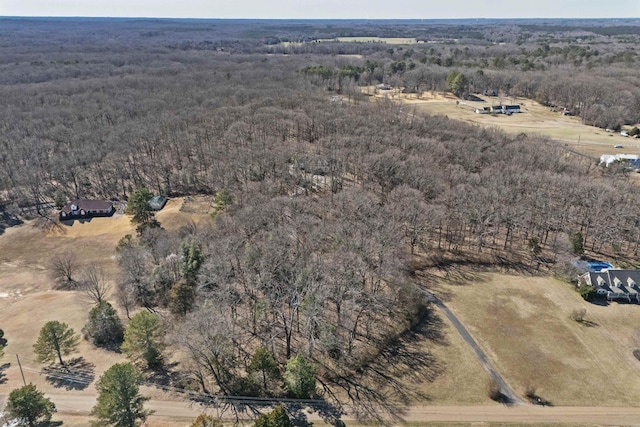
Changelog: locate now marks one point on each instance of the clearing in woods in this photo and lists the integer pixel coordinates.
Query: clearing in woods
(387, 40)
(524, 326)
(534, 119)
(27, 297)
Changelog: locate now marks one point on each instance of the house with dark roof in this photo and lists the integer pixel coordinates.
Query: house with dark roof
(505, 109)
(83, 208)
(614, 284)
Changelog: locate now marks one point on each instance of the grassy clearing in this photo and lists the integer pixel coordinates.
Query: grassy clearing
(26, 253)
(387, 40)
(27, 300)
(463, 380)
(535, 119)
(524, 325)
(183, 211)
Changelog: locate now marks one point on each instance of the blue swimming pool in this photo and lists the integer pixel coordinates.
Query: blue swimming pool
(593, 266)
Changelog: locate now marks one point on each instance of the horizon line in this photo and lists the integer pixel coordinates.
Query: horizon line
(626, 18)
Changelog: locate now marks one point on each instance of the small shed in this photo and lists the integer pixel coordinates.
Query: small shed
(157, 203)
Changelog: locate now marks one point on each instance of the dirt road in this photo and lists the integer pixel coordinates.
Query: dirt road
(517, 414)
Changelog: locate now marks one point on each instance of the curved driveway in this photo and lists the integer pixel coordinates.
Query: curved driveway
(510, 396)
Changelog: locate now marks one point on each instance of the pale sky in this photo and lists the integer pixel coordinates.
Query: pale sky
(326, 9)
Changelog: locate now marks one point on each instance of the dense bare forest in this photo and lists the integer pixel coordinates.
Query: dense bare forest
(331, 201)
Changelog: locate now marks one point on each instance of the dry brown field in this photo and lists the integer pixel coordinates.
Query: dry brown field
(534, 119)
(28, 300)
(386, 40)
(524, 326)
(463, 380)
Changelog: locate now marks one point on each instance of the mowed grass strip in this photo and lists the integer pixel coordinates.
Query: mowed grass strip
(524, 325)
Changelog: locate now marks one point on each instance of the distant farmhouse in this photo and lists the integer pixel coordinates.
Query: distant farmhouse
(615, 284)
(499, 109)
(82, 208)
(630, 160)
(505, 109)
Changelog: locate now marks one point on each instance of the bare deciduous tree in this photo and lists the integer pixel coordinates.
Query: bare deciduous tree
(63, 270)
(94, 285)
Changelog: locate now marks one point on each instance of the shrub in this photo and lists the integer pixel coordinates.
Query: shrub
(205, 420)
(276, 418)
(299, 378)
(494, 392)
(530, 392)
(578, 315)
(587, 292)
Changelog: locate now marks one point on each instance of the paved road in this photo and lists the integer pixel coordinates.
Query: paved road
(518, 414)
(509, 394)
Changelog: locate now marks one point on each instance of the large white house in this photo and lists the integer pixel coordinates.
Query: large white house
(607, 159)
(615, 284)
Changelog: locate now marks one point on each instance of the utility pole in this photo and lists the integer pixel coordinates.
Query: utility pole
(21, 372)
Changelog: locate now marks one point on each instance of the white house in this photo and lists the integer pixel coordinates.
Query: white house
(607, 159)
(615, 284)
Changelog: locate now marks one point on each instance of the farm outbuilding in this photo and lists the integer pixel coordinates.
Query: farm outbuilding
(83, 208)
(157, 203)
